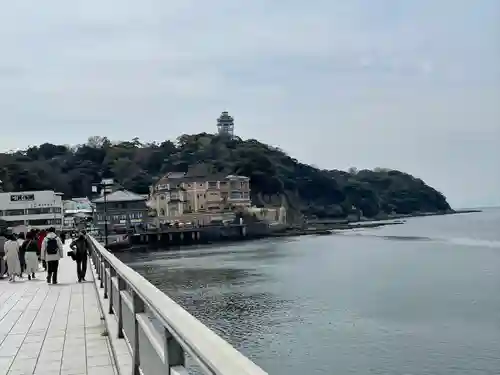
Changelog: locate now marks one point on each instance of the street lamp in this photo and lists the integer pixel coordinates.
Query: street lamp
(104, 185)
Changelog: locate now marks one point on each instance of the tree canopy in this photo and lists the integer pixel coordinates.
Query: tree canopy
(276, 178)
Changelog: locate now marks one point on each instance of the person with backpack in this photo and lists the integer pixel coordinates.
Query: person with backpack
(81, 249)
(30, 250)
(51, 252)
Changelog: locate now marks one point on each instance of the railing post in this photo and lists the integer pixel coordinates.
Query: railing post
(121, 286)
(98, 266)
(105, 277)
(101, 273)
(174, 354)
(112, 273)
(138, 308)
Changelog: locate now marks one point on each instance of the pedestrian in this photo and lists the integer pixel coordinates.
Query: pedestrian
(30, 248)
(3, 268)
(20, 241)
(11, 257)
(51, 252)
(81, 249)
(41, 237)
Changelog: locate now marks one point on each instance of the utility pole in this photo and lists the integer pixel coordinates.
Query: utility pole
(105, 219)
(104, 184)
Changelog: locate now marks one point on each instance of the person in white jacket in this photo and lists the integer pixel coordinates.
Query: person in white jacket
(11, 249)
(51, 252)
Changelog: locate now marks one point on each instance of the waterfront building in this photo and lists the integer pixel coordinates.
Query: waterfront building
(122, 210)
(269, 215)
(77, 212)
(179, 194)
(33, 209)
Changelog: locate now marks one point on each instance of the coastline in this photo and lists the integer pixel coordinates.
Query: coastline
(325, 227)
(331, 225)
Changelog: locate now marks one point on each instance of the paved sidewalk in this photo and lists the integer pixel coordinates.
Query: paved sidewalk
(53, 329)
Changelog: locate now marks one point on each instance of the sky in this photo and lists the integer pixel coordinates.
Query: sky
(411, 85)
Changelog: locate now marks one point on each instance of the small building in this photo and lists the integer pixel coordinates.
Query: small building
(77, 212)
(124, 211)
(33, 209)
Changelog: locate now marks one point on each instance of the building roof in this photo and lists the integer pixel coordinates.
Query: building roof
(81, 200)
(120, 196)
(179, 177)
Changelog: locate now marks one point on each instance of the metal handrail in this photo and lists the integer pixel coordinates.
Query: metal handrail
(130, 295)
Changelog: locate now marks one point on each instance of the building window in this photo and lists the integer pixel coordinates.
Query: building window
(14, 212)
(39, 211)
(235, 195)
(15, 223)
(162, 212)
(39, 222)
(162, 197)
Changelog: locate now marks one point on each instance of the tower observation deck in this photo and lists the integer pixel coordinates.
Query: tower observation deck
(225, 125)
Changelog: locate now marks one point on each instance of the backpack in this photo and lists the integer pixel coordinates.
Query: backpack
(52, 246)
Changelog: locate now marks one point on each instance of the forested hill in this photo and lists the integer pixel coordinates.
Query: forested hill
(275, 177)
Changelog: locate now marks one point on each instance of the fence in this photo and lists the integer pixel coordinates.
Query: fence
(132, 300)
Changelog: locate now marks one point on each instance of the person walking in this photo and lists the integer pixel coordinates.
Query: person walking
(81, 249)
(11, 257)
(20, 241)
(40, 238)
(31, 251)
(51, 252)
(3, 268)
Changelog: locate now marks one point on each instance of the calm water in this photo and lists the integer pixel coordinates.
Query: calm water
(418, 298)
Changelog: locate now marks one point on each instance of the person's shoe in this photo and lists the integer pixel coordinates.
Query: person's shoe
(33, 275)
(29, 277)
(48, 280)
(54, 282)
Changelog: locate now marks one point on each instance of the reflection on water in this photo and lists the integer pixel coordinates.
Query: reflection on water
(405, 299)
(210, 289)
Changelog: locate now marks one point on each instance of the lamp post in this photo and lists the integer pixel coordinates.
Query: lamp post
(104, 185)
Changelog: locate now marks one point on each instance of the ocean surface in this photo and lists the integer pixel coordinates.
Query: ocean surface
(418, 298)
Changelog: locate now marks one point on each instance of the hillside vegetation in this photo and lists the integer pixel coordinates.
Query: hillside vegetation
(275, 177)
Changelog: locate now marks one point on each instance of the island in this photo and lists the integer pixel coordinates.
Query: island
(276, 179)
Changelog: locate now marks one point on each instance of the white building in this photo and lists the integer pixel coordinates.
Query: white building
(76, 211)
(34, 209)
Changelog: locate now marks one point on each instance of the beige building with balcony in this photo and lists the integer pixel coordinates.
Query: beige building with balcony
(177, 194)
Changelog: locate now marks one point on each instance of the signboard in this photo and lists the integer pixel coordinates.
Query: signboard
(22, 197)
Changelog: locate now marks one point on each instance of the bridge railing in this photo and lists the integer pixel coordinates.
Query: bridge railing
(131, 299)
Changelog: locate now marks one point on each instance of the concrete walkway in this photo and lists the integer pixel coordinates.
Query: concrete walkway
(53, 329)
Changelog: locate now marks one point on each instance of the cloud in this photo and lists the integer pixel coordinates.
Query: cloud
(335, 83)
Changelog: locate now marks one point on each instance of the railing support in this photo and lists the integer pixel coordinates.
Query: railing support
(106, 280)
(121, 286)
(139, 308)
(174, 354)
(112, 273)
